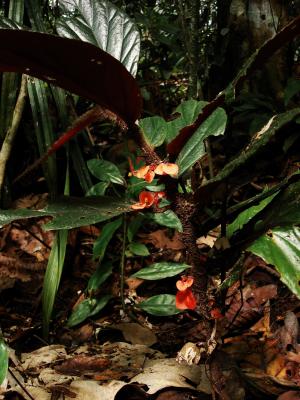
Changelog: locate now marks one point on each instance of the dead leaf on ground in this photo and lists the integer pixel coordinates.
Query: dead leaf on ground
(134, 333)
(160, 240)
(80, 365)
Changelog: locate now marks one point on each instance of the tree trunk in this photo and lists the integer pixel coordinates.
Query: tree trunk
(243, 26)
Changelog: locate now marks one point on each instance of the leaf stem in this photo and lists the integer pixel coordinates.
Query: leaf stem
(122, 262)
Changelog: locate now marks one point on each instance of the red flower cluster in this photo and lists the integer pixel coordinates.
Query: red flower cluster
(148, 199)
(184, 297)
(148, 172)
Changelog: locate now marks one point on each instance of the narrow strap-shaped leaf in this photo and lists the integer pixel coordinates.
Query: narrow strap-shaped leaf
(43, 126)
(54, 269)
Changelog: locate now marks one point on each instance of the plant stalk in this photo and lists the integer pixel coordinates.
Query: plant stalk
(12, 130)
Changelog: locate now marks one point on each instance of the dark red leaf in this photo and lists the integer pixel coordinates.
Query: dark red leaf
(76, 66)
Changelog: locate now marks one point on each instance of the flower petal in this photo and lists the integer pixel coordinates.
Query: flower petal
(185, 300)
(138, 206)
(141, 172)
(170, 169)
(147, 198)
(167, 169)
(149, 176)
(184, 283)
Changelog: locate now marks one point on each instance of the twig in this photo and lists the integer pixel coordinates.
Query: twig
(12, 130)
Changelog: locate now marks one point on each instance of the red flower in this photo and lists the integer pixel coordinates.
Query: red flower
(184, 297)
(148, 172)
(146, 200)
(167, 169)
(185, 300)
(184, 283)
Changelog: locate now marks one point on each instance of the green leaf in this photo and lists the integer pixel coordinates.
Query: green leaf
(160, 270)
(154, 130)
(194, 149)
(105, 171)
(134, 226)
(53, 275)
(292, 88)
(160, 305)
(101, 23)
(167, 218)
(87, 308)
(138, 249)
(281, 248)
(3, 361)
(98, 189)
(245, 216)
(105, 237)
(70, 212)
(188, 111)
(38, 93)
(99, 276)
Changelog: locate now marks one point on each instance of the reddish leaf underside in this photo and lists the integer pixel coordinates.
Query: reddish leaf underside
(76, 66)
(267, 50)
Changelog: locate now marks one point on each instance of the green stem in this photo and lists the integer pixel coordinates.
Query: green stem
(122, 263)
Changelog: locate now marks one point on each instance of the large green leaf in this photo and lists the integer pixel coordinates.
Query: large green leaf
(105, 237)
(138, 249)
(87, 308)
(154, 130)
(281, 248)
(167, 218)
(3, 360)
(194, 149)
(160, 305)
(101, 23)
(189, 111)
(245, 216)
(161, 270)
(105, 171)
(282, 210)
(98, 189)
(71, 212)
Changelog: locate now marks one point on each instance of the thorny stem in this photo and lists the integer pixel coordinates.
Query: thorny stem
(122, 262)
(150, 154)
(12, 130)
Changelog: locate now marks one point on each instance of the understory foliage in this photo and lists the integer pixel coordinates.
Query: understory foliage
(153, 170)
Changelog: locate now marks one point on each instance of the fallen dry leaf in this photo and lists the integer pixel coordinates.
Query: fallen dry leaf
(160, 240)
(136, 334)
